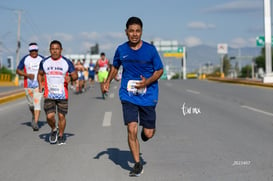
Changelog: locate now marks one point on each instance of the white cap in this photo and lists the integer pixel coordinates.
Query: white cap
(33, 47)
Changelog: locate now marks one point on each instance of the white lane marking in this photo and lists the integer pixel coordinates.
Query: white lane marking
(107, 119)
(192, 91)
(257, 110)
(11, 105)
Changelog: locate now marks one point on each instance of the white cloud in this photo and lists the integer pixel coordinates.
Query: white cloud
(241, 42)
(237, 6)
(192, 41)
(252, 41)
(116, 35)
(34, 38)
(200, 25)
(86, 45)
(101, 36)
(63, 36)
(90, 35)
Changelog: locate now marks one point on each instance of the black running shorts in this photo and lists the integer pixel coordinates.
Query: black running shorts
(132, 112)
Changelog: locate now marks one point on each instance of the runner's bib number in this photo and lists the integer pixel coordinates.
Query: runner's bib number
(132, 90)
(55, 89)
(103, 69)
(34, 66)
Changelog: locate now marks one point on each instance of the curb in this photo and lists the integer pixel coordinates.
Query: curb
(241, 81)
(11, 97)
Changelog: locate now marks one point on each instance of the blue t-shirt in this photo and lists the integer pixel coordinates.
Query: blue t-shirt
(144, 61)
(91, 69)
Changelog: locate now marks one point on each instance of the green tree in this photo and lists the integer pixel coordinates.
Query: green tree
(260, 60)
(226, 65)
(5, 70)
(246, 71)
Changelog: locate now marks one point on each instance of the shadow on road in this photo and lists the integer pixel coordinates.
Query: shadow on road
(45, 136)
(40, 123)
(119, 157)
(99, 98)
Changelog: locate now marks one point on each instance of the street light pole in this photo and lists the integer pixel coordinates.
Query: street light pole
(267, 27)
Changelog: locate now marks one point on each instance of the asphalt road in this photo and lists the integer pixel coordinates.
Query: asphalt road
(206, 131)
(4, 89)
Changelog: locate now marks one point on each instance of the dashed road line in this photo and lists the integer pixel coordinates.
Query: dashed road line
(193, 91)
(257, 110)
(107, 119)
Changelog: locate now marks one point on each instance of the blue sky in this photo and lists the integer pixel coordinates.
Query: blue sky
(83, 23)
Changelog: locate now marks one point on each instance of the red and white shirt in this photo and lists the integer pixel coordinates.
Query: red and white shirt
(55, 71)
(103, 65)
(30, 66)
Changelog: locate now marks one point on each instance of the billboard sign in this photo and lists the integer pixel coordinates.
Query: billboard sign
(222, 48)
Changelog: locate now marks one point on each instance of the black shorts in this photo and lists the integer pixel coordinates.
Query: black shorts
(91, 76)
(51, 104)
(132, 112)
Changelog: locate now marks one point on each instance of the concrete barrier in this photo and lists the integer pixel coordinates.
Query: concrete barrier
(242, 81)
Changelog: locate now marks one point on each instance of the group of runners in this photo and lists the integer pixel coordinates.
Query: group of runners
(88, 73)
(49, 78)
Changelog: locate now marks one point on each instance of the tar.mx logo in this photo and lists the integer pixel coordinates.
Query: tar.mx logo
(187, 110)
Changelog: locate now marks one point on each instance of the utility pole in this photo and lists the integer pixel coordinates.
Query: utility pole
(268, 78)
(184, 63)
(18, 37)
(16, 81)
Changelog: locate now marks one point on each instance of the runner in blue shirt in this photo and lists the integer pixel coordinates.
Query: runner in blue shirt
(91, 73)
(142, 67)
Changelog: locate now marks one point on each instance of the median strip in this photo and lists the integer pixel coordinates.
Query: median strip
(11, 97)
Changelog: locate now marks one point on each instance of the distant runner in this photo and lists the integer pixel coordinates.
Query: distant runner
(28, 67)
(91, 73)
(103, 67)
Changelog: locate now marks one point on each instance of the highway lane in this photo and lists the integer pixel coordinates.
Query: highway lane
(205, 131)
(229, 141)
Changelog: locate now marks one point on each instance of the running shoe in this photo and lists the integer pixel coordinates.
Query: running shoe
(35, 127)
(137, 170)
(143, 136)
(53, 137)
(32, 122)
(61, 140)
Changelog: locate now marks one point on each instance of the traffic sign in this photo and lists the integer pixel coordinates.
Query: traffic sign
(173, 54)
(178, 53)
(260, 41)
(222, 48)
